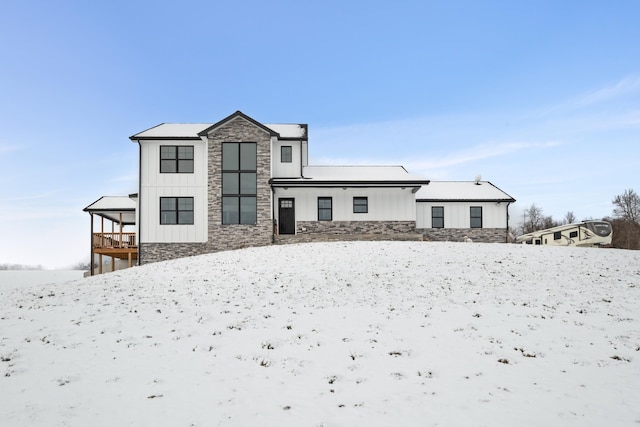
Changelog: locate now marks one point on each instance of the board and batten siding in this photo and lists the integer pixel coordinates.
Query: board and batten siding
(384, 204)
(458, 214)
(286, 170)
(154, 185)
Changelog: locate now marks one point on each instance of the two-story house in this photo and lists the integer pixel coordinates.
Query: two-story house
(239, 183)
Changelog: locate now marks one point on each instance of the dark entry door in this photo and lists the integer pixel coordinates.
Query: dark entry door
(287, 216)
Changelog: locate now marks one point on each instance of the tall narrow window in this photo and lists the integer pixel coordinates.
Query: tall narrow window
(176, 210)
(437, 216)
(360, 205)
(176, 159)
(285, 154)
(239, 183)
(325, 209)
(476, 216)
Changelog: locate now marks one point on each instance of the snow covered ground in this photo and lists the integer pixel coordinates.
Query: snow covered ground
(332, 334)
(26, 278)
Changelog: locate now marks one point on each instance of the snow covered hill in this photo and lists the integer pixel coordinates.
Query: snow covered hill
(332, 334)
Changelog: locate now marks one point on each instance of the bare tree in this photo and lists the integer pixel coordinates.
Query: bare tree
(627, 206)
(569, 218)
(626, 220)
(533, 219)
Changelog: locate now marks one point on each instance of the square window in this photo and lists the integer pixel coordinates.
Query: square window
(176, 210)
(176, 159)
(360, 205)
(325, 208)
(557, 235)
(286, 154)
(437, 217)
(476, 216)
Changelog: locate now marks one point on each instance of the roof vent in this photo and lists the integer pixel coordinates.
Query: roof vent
(478, 178)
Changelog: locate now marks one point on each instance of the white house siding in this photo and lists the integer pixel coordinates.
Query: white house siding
(385, 204)
(154, 185)
(458, 214)
(286, 170)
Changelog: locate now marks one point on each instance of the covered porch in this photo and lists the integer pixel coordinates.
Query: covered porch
(114, 235)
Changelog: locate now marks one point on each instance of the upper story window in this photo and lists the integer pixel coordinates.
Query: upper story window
(239, 183)
(325, 208)
(476, 216)
(176, 159)
(286, 154)
(176, 210)
(360, 205)
(437, 216)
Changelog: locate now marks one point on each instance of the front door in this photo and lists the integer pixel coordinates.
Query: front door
(286, 216)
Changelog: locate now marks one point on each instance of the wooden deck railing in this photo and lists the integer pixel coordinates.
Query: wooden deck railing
(113, 240)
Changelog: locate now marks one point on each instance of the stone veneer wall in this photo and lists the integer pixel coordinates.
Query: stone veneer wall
(482, 235)
(323, 231)
(355, 227)
(236, 236)
(154, 252)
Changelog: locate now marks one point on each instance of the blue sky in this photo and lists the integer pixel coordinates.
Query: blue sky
(542, 98)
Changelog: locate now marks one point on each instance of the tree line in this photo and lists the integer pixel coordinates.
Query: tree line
(625, 220)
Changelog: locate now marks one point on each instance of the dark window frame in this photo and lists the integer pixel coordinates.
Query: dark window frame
(181, 164)
(286, 156)
(324, 209)
(237, 197)
(557, 235)
(439, 217)
(359, 207)
(177, 211)
(573, 234)
(475, 224)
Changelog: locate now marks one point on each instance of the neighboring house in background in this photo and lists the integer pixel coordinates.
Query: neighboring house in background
(239, 183)
(453, 210)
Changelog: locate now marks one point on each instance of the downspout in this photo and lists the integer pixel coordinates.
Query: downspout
(273, 214)
(138, 215)
(301, 159)
(507, 236)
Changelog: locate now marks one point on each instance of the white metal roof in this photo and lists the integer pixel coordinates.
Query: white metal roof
(462, 190)
(191, 130)
(353, 176)
(289, 130)
(359, 173)
(173, 130)
(111, 207)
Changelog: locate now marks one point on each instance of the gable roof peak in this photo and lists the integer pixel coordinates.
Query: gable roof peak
(234, 116)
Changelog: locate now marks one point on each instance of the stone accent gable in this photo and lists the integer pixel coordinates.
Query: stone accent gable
(235, 236)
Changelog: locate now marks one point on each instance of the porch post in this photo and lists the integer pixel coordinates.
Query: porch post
(120, 245)
(91, 243)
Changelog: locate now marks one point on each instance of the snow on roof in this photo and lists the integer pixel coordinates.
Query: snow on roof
(462, 190)
(173, 130)
(112, 206)
(359, 173)
(289, 130)
(191, 130)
